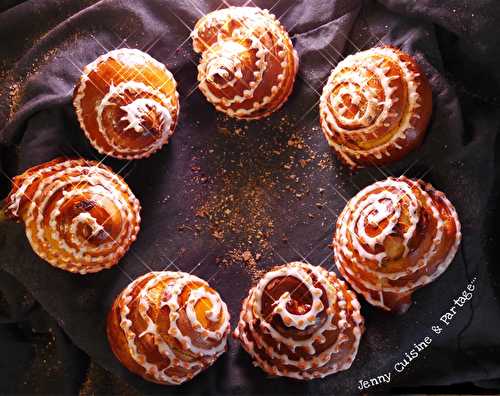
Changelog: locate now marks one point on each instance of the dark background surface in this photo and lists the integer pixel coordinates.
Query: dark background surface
(271, 187)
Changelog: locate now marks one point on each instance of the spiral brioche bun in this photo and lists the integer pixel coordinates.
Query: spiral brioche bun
(375, 107)
(127, 104)
(168, 326)
(301, 322)
(393, 237)
(248, 64)
(79, 215)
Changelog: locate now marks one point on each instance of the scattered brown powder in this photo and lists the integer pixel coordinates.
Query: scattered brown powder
(247, 259)
(245, 182)
(101, 382)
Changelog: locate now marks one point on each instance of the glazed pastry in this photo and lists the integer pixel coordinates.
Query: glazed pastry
(375, 107)
(393, 237)
(79, 215)
(248, 64)
(127, 104)
(168, 326)
(301, 322)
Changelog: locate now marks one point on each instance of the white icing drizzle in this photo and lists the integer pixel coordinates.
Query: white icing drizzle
(175, 362)
(148, 99)
(317, 321)
(401, 203)
(59, 238)
(354, 78)
(238, 46)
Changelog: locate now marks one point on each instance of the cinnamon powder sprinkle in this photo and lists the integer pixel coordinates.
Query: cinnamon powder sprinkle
(245, 182)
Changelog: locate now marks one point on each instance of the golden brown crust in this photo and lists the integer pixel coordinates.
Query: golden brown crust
(393, 237)
(300, 321)
(375, 107)
(248, 65)
(79, 216)
(127, 104)
(168, 326)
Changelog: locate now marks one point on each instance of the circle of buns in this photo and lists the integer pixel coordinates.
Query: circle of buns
(79, 216)
(300, 321)
(375, 107)
(393, 237)
(248, 64)
(127, 104)
(168, 326)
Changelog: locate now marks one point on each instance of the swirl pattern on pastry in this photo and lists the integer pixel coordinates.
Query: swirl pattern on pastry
(127, 104)
(168, 326)
(248, 64)
(375, 107)
(300, 321)
(393, 237)
(79, 215)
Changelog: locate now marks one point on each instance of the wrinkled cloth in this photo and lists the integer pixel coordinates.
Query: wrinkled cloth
(46, 43)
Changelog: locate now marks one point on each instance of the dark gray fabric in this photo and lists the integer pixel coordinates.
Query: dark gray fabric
(46, 42)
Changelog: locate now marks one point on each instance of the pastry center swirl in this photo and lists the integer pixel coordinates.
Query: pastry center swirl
(145, 115)
(384, 223)
(297, 304)
(355, 100)
(225, 65)
(138, 112)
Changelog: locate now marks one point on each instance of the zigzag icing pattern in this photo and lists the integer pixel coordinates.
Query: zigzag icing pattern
(300, 321)
(393, 237)
(248, 64)
(79, 215)
(371, 106)
(127, 104)
(173, 325)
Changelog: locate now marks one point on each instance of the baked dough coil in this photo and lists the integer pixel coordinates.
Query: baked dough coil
(375, 107)
(127, 104)
(168, 326)
(393, 237)
(79, 215)
(301, 322)
(248, 64)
